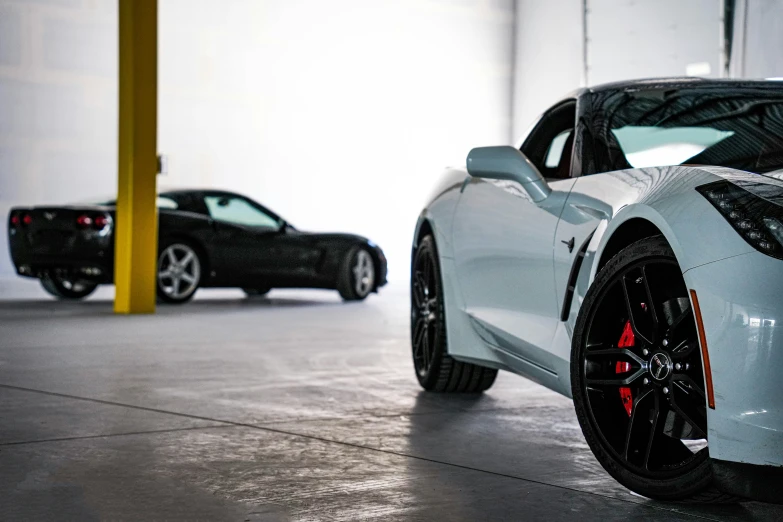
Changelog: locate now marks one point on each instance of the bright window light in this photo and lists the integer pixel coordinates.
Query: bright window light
(658, 146)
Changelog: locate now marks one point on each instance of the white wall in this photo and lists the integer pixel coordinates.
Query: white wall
(339, 115)
(758, 39)
(548, 56)
(625, 39)
(58, 103)
(651, 38)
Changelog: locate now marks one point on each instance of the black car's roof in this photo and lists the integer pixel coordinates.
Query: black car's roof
(216, 192)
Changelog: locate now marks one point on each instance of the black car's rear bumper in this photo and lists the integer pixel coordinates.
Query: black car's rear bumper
(82, 257)
(751, 481)
(95, 270)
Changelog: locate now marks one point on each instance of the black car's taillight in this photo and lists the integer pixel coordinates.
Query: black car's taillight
(758, 220)
(95, 221)
(84, 221)
(101, 221)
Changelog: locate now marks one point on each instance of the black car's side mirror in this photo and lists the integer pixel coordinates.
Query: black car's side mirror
(508, 163)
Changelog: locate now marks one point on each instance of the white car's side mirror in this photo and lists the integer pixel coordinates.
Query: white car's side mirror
(508, 163)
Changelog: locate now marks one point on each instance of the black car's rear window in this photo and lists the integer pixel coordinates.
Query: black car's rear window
(722, 127)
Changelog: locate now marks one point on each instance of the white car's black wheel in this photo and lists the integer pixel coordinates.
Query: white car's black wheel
(357, 275)
(179, 272)
(435, 369)
(63, 288)
(637, 379)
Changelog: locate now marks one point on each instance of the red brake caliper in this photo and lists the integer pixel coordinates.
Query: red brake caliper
(626, 339)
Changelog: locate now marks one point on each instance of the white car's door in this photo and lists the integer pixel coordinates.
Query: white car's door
(503, 245)
(503, 252)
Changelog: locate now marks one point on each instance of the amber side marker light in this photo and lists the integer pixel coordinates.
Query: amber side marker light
(705, 356)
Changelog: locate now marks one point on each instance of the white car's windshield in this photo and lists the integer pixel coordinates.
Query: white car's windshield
(728, 128)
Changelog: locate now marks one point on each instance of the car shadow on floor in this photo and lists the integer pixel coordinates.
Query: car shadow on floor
(533, 444)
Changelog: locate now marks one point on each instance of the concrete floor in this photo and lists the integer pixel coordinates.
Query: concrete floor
(296, 407)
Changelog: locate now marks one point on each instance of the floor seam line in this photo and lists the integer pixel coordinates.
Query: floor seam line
(353, 445)
(110, 435)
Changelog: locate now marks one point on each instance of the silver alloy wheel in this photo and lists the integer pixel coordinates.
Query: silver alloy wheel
(363, 273)
(179, 271)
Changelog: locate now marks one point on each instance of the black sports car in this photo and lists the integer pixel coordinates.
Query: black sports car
(207, 238)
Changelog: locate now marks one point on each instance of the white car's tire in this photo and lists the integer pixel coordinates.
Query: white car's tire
(636, 377)
(435, 369)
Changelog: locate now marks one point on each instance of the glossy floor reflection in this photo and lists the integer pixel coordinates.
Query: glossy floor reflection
(296, 407)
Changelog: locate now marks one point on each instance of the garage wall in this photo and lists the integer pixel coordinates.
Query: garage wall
(758, 39)
(652, 38)
(58, 103)
(548, 56)
(625, 39)
(339, 115)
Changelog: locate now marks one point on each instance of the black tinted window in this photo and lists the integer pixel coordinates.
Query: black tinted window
(728, 128)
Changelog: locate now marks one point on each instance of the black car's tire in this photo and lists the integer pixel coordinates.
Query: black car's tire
(256, 292)
(179, 272)
(435, 369)
(356, 279)
(639, 398)
(66, 289)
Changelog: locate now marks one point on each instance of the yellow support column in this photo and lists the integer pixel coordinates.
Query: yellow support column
(136, 232)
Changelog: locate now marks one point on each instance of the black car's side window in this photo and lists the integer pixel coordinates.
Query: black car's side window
(239, 211)
(167, 202)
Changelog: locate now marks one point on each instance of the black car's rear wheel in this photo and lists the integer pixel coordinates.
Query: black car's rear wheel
(637, 379)
(435, 369)
(179, 272)
(67, 288)
(357, 275)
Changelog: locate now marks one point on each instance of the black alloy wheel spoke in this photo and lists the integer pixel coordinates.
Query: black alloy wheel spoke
(613, 353)
(642, 427)
(656, 433)
(684, 381)
(609, 376)
(425, 348)
(678, 331)
(427, 271)
(419, 331)
(687, 400)
(633, 315)
(651, 306)
(419, 286)
(685, 350)
(616, 381)
(424, 312)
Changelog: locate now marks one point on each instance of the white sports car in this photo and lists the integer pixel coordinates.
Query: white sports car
(628, 253)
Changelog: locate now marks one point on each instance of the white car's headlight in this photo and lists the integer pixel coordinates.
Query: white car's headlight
(757, 219)
(775, 227)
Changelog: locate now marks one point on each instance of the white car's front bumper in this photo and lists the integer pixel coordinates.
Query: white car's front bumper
(741, 300)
